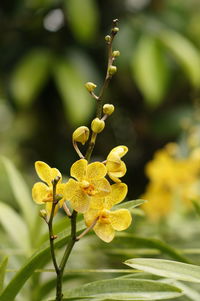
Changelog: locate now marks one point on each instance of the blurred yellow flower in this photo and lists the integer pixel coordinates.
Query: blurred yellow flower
(115, 166)
(89, 183)
(172, 179)
(42, 193)
(108, 221)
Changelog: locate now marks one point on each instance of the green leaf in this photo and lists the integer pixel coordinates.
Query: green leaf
(20, 191)
(125, 289)
(139, 242)
(188, 291)
(29, 76)
(3, 266)
(167, 268)
(150, 70)
(36, 261)
(186, 54)
(196, 206)
(85, 29)
(14, 226)
(77, 102)
(131, 204)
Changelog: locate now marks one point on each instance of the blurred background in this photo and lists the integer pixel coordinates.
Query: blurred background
(49, 49)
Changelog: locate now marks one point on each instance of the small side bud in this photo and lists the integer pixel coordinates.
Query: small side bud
(116, 53)
(90, 86)
(108, 38)
(43, 214)
(115, 29)
(112, 70)
(108, 109)
(81, 134)
(97, 125)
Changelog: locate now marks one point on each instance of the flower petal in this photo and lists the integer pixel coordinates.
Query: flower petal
(116, 170)
(44, 171)
(90, 216)
(118, 193)
(78, 169)
(78, 199)
(96, 171)
(40, 192)
(120, 219)
(119, 151)
(55, 173)
(104, 231)
(102, 187)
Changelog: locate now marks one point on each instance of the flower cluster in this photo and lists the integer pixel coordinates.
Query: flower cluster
(88, 192)
(174, 179)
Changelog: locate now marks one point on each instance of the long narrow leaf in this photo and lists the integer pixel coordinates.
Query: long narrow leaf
(20, 191)
(138, 241)
(3, 266)
(14, 226)
(37, 261)
(167, 268)
(125, 289)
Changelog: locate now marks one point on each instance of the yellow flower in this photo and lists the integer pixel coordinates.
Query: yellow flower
(115, 166)
(108, 221)
(89, 183)
(42, 193)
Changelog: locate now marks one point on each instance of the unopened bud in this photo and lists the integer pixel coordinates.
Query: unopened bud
(112, 70)
(43, 214)
(115, 29)
(108, 109)
(90, 86)
(116, 53)
(108, 38)
(81, 134)
(97, 125)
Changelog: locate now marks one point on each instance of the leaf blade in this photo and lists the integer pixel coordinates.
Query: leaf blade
(167, 268)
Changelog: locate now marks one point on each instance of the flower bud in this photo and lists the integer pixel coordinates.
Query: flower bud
(97, 125)
(116, 53)
(43, 214)
(90, 86)
(115, 29)
(108, 109)
(81, 134)
(108, 38)
(112, 70)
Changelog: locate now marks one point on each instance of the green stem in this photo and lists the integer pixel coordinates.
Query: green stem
(71, 243)
(99, 99)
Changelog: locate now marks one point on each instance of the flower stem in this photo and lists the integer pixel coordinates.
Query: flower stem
(99, 99)
(70, 245)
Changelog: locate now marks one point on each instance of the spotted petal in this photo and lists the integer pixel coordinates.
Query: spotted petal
(96, 171)
(78, 199)
(78, 169)
(40, 192)
(102, 187)
(120, 219)
(104, 231)
(45, 172)
(90, 216)
(118, 193)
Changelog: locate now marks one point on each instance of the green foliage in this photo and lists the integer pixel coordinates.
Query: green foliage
(125, 289)
(150, 70)
(30, 76)
(3, 266)
(167, 268)
(85, 30)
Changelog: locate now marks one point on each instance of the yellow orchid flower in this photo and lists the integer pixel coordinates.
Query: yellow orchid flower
(115, 166)
(109, 221)
(89, 183)
(42, 193)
